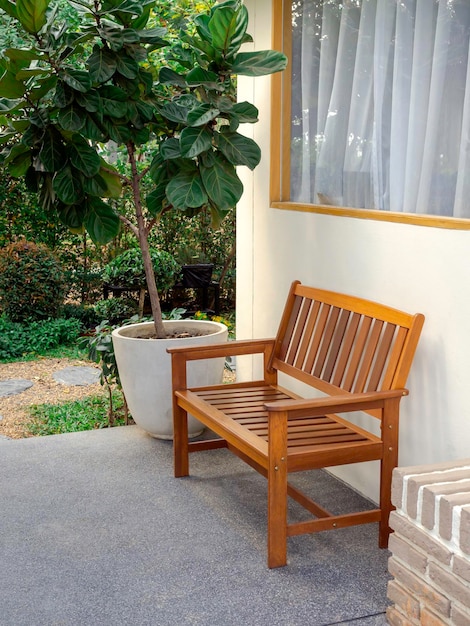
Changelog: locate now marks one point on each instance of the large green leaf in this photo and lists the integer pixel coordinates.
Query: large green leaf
(174, 112)
(10, 87)
(126, 66)
(185, 190)
(83, 156)
(95, 186)
(90, 101)
(153, 36)
(245, 112)
(112, 180)
(72, 117)
(20, 165)
(124, 6)
(120, 133)
(68, 186)
(102, 64)
(42, 87)
(77, 79)
(32, 14)
(170, 149)
(240, 35)
(29, 72)
(9, 7)
(259, 63)
(93, 129)
(202, 114)
(141, 22)
(222, 185)
(194, 141)
(23, 54)
(155, 200)
(239, 150)
(16, 150)
(52, 154)
(63, 95)
(170, 77)
(200, 76)
(72, 216)
(118, 37)
(222, 26)
(113, 101)
(140, 136)
(101, 222)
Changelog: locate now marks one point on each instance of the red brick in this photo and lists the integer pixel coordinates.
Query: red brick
(405, 551)
(420, 538)
(446, 510)
(428, 618)
(461, 567)
(408, 604)
(430, 493)
(419, 587)
(396, 618)
(449, 584)
(459, 615)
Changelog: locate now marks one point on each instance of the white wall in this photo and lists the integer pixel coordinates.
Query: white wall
(414, 268)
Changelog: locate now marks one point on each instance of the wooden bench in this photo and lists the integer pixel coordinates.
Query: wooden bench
(356, 351)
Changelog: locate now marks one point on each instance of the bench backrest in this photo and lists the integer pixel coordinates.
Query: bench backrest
(339, 343)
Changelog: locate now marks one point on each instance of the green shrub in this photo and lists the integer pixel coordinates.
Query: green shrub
(85, 314)
(115, 309)
(38, 337)
(32, 283)
(127, 269)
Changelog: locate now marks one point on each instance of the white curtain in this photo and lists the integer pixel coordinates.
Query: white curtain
(381, 104)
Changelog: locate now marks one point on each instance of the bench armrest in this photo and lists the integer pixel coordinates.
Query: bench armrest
(342, 403)
(228, 348)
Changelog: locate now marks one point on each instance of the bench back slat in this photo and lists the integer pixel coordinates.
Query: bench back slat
(346, 343)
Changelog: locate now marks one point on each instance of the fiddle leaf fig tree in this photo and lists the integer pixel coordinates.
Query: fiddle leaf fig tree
(117, 81)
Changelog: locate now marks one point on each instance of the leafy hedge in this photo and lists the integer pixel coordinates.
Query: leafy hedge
(18, 340)
(32, 283)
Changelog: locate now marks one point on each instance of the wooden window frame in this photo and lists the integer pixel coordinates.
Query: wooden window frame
(280, 142)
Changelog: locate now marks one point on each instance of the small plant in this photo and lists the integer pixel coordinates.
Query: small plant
(36, 338)
(115, 309)
(201, 315)
(87, 414)
(174, 314)
(32, 283)
(100, 349)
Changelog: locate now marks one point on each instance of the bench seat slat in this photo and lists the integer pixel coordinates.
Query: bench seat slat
(301, 433)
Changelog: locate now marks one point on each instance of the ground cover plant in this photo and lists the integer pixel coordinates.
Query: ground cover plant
(88, 413)
(19, 341)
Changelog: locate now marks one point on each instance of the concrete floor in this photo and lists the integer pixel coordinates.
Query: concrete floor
(94, 530)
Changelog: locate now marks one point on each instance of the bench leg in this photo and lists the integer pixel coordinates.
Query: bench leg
(180, 441)
(388, 463)
(277, 490)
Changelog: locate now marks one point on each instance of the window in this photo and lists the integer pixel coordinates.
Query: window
(376, 108)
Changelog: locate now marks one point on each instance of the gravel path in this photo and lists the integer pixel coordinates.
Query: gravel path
(45, 389)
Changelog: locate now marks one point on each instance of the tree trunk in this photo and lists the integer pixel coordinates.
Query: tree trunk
(144, 246)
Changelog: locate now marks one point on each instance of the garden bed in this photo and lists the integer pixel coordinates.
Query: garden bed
(14, 409)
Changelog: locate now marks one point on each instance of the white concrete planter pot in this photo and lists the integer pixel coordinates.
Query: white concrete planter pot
(145, 371)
